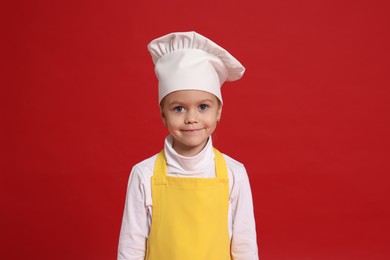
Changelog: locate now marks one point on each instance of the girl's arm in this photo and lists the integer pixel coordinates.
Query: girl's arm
(244, 242)
(134, 230)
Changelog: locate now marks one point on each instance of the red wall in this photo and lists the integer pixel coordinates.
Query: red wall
(310, 120)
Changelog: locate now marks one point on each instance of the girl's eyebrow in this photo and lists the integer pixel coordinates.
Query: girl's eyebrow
(177, 102)
(207, 100)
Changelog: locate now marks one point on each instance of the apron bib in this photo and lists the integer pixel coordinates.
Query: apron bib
(190, 215)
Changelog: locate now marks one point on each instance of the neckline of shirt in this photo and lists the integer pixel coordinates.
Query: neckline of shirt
(188, 166)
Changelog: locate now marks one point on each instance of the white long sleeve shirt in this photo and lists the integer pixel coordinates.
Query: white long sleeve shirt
(137, 217)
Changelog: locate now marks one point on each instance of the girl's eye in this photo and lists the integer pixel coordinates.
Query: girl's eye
(203, 107)
(179, 109)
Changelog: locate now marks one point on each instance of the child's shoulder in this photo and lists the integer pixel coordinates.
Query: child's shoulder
(146, 165)
(237, 174)
(234, 165)
(231, 160)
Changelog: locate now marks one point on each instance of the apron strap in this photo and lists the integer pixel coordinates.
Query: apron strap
(160, 169)
(221, 171)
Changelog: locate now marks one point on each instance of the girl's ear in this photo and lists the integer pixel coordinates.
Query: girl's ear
(163, 116)
(219, 113)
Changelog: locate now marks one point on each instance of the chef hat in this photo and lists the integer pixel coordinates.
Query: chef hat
(188, 60)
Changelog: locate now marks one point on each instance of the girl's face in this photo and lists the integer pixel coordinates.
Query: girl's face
(191, 116)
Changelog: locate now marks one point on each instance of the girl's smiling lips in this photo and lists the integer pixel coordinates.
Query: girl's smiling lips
(191, 130)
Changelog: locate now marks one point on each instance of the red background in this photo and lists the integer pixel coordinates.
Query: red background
(310, 120)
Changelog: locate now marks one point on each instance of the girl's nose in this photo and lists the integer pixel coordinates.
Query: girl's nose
(191, 117)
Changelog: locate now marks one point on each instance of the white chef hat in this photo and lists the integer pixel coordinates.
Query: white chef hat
(188, 60)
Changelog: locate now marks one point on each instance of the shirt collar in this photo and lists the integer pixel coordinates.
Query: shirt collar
(183, 165)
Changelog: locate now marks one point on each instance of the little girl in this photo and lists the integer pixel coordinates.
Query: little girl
(189, 202)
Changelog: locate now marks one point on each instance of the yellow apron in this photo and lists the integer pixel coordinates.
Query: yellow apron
(190, 215)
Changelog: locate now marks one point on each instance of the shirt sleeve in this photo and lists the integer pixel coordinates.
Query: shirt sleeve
(134, 230)
(244, 241)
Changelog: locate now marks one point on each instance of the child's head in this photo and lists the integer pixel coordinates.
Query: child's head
(191, 70)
